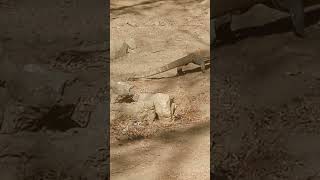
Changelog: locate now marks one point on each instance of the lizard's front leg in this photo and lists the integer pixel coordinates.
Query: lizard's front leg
(200, 62)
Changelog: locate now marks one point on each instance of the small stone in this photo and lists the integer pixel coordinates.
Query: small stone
(33, 68)
(162, 102)
(118, 49)
(136, 111)
(131, 43)
(121, 92)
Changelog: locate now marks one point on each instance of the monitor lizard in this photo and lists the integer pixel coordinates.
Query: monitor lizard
(199, 57)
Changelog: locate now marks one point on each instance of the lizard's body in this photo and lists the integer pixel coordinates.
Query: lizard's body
(224, 9)
(199, 57)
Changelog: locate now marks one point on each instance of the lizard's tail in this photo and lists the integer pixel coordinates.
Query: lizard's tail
(154, 71)
(172, 65)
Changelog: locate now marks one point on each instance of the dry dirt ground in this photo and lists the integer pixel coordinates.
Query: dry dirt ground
(159, 32)
(266, 83)
(39, 136)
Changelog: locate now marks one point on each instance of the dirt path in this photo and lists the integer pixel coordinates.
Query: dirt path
(159, 32)
(182, 154)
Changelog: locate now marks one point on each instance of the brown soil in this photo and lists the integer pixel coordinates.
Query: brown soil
(163, 31)
(37, 33)
(266, 97)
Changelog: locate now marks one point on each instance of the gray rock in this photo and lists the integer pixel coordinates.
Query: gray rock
(83, 110)
(136, 111)
(32, 68)
(163, 103)
(131, 43)
(121, 92)
(118, 49)
(39, 88)
(13, 118)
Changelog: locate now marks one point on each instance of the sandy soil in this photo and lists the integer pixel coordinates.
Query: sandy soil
(179, 154)
(160, 32)
(266, 97)
(35, 34)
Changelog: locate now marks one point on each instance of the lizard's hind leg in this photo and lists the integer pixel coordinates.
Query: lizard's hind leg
(202, 66)
(179, 71)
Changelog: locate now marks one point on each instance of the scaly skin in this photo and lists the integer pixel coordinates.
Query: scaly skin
(199, 57)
